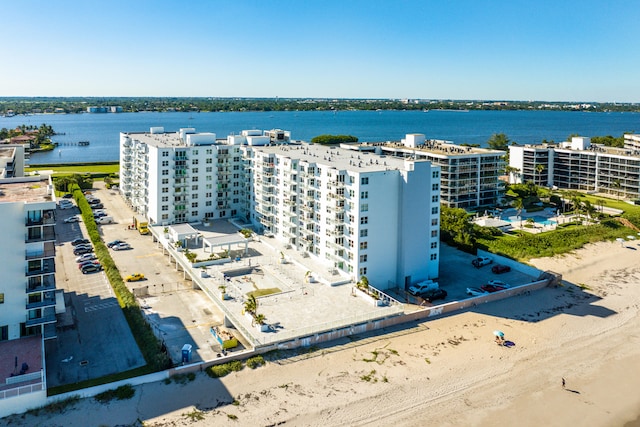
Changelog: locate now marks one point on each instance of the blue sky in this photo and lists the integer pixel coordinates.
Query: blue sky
(435, 49)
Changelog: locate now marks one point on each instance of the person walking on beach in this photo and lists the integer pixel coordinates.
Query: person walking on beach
(563, 382)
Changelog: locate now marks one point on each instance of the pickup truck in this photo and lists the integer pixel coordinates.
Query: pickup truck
(481, 261)
(421, 287)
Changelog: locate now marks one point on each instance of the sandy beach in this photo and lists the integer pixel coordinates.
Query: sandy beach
(444, 372)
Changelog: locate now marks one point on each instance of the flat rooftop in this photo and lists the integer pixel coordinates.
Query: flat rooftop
(15, 353)
(25, 190)
(7, 152)
(336, 157)
(437, 148)
(593, 148)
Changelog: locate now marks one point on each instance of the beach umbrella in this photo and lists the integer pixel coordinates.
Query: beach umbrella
(498, 334)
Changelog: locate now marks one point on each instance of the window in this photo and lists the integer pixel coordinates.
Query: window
(434, 210)
(436, 174)
(195, 153)
(194, 161)
(434, 198)
(165, 207)
(434, 233)
(351, 193)
(435, 187)
(363, 258)
(194, 196)
(194, 204)
(364, 207)
(165, 181)
(4, 333)
(194, 213)
(194, 187)
(364, 220)
(434, 245)
(195, 170)
(165, 154)
(165, 172)
(165, 216)
(363, 271)
(165, 198)
(209, 169)
(207, 203)
(364, 180)
(2, 298)
(165, 189)
(364, 245)
(364, 232)
(165, 163)
(364, 195)
(434, 221)
(194, 179)
(434, 257)
(236, 200)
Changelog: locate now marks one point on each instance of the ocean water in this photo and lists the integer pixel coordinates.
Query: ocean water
(474, 127)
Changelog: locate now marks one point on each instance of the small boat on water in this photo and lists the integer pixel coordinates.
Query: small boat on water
(83, 143)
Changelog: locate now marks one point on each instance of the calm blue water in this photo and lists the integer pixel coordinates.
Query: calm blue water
(537, 219)
(474, 127)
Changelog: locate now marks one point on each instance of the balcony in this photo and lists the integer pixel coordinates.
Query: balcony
(45, 302)
(41, 284)
(46, 233)
(48, 252)
(47, 266)
(48, 315)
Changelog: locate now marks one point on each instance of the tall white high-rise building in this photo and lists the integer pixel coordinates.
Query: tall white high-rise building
(359, 213)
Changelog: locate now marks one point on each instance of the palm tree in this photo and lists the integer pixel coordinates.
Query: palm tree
(616, 184)
(539, 169)
(511, 171)
(601, 203)
(258, 319)
(251, 304)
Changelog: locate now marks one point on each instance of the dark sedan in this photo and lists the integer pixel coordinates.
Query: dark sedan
(434, 294)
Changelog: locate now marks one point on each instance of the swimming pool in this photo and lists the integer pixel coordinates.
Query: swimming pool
(537, 219)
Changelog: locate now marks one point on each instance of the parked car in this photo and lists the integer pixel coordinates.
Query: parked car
(90, 262)
(97, 206)
(421, 287)
(480, 261)
(498, 283)
(79, 241)
(104, 220)
(492, 288)
(68, 196)
(82, 250)
(134, 277)
(121, 247)
(86, 257)
(65, 205)
(91, 268)
(93, 200)
(474, 292)
(499, 269)
(71, 219)
(434, 294)
(115, 242)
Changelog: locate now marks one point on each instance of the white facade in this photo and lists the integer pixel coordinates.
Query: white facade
(27, 291)
(580, 165)
(358, 213)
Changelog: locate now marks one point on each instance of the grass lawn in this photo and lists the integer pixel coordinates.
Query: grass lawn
(102, 168)
(262, 292)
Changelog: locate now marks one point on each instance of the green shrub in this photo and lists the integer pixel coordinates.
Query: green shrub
(218, 371)
(121, 393)
(255, 362)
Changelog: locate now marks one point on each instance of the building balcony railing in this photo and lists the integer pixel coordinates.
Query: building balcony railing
(48, 234)
(45, 302)
(48, 316)
(47, 283)
(49, 252)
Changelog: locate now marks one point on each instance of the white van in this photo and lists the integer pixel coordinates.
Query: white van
(104, 220)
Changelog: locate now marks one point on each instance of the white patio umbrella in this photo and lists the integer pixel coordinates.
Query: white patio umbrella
(498, 334)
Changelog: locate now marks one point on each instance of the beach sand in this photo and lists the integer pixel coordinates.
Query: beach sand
(443, 372)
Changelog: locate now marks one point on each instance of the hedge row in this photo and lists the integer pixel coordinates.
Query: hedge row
(149, 345)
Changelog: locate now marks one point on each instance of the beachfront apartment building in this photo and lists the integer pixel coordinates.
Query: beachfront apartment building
(357, 212)
(580, 165)
(470, 176)
(28, 289)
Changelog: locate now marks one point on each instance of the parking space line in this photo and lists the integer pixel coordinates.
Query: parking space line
(100, 306)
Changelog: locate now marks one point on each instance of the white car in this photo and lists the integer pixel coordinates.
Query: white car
(65, 206)
(421, 287)
(71, 219)
(86, 257)
(121, 247)
(498, 283)
(474, 292)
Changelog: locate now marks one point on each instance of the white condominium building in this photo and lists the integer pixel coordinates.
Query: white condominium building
(357, 212)
(27, 289)
(580, 165)
(470, 176)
